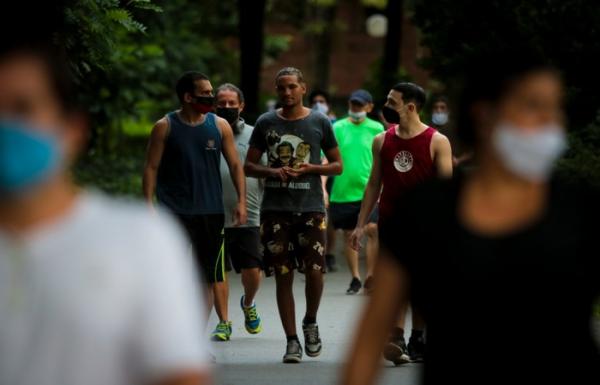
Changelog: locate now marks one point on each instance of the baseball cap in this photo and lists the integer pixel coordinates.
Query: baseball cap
(361, 96)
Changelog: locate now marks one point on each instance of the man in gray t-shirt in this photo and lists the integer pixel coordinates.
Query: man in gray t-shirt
(293, 221)
(242, 243)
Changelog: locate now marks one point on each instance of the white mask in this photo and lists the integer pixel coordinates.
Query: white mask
(439, 118)
(531, 155)
(357, 116)
(321, 107)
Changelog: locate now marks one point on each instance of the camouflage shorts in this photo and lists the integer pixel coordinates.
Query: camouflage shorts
(293, 240)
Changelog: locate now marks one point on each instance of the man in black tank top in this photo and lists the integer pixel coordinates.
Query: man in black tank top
(183, 169)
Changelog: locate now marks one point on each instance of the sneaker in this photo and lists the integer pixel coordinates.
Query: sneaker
(396, 351)
(368, 286)
(252, 319)
(222, 332)
(416, 349)
(293, 353)
(330, 262)
(355, 286)
(312, 341)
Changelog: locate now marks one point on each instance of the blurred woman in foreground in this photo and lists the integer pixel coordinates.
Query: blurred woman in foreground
(504, 261)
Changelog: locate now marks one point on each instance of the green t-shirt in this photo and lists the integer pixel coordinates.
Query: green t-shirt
(355, 142)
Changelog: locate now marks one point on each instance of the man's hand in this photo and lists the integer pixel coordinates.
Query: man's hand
(240, 215)
(356, 237)
(304, 168)
(279, 173)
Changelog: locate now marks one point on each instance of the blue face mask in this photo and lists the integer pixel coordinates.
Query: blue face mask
(357, 116)
(28, 156)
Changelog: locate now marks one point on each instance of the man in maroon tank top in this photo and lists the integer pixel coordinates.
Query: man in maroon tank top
(405, 155)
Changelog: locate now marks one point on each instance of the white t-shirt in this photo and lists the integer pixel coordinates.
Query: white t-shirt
(108, 294)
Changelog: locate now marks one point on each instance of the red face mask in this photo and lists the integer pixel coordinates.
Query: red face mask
(203, 104)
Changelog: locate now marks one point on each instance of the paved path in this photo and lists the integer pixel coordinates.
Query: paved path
(249, 360)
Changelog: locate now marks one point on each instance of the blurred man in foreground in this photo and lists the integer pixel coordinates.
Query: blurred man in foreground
(92, 291)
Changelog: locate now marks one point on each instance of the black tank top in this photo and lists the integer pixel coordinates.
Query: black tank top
(189, 179)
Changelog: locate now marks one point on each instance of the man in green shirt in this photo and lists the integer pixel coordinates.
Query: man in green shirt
(355, 135)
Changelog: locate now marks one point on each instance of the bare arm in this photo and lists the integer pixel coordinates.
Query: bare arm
(324, 184)
(362, 364)
(372, 192)
(236, 170)
(255, 169)
(442, 155)
(154, 153)
(463, 158)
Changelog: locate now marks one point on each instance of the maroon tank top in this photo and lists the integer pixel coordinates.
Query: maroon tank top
(404, 164)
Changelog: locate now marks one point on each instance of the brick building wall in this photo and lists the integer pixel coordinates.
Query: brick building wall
(353, 56)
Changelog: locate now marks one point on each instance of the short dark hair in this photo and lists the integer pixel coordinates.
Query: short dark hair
(53, 59)
(490, 78)
(290, 71)
(439, 98)
(284, 144)
(187, 83)
(411, 93)
(318, 92)
(231, 87)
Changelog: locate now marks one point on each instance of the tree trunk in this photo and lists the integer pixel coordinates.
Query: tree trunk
(322, 55)
(390, 64)
(251, 29)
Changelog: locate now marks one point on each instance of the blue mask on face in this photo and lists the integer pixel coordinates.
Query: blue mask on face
(28, 156)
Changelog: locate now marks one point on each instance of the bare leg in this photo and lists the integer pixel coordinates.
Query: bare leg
(221, 298)
(401, 321)
(210, 299)
(313, 292)
(331, 237)
(330, 247)
(251, 282)
(351, 255)
(372, 247)
(285, 302)
(417, 319)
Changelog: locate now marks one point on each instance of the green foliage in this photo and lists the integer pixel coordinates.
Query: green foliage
(127, 56)
(117, 173)
(275, 45)
(582, 161)
(373, 81)
(379, 4)
(566, 32)
(93, 30)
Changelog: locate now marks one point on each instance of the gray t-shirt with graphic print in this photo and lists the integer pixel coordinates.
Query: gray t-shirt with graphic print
(291, 143)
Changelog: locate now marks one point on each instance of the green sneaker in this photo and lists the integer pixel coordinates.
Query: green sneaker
(252, 319)
(222, 332)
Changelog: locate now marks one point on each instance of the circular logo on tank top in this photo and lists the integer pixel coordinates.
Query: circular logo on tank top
(403, 161)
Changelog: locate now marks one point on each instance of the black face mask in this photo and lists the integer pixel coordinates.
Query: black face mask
(231, 115)
(390, 115)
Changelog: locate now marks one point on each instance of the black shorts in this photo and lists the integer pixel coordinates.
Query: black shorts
(206, 234)
(293, 240)
(243, 248)
(344, 216)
